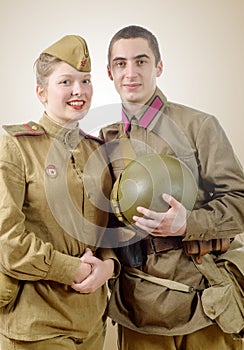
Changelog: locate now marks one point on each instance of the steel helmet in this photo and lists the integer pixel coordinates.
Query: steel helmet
(145, 179)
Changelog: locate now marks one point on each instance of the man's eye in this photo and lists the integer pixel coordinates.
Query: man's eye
(140, 62)
(120, 64)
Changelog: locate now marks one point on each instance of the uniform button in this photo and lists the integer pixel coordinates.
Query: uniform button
(34, 127)
(212, 311)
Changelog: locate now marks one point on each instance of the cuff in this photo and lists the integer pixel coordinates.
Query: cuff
(63, 268)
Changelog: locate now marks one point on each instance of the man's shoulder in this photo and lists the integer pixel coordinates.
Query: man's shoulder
(113, 126)
(111, 131)
(190, 111)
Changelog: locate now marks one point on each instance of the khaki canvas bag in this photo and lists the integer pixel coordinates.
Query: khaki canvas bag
(223, 300)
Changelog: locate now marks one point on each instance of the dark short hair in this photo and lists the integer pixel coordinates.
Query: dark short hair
(132, 32)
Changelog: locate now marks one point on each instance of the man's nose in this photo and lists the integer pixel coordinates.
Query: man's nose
(131, 70)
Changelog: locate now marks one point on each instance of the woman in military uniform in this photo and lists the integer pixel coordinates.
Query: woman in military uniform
(53, 209)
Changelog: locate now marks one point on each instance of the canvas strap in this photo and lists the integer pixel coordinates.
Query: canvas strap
(160, 281)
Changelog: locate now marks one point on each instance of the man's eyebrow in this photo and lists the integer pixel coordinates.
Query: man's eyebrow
(119, 59)
(142, 56)
(135, 58)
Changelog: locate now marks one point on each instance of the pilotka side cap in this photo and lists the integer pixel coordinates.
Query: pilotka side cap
(73, 50)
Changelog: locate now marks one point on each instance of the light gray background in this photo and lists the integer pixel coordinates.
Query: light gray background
(201, 42)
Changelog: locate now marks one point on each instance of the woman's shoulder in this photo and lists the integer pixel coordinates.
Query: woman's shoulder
(26, 129)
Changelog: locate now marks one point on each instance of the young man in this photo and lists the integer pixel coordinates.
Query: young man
(149, 315)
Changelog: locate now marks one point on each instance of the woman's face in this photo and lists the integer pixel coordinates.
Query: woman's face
(67, 96)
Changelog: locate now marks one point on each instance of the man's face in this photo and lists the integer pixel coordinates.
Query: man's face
(133, 70)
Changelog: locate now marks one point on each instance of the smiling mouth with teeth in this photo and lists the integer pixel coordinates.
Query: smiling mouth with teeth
(76, 103)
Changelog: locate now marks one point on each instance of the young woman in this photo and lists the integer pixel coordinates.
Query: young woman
(51, 217)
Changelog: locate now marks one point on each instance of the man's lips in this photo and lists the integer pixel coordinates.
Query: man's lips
(131, 86)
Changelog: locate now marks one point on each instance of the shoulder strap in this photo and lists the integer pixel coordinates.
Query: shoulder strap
(160, 281)
(91, 137)
(27, 129)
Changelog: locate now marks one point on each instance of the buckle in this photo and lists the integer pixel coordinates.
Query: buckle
(153, 246)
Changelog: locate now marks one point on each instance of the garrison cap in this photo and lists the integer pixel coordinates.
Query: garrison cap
(73, 50)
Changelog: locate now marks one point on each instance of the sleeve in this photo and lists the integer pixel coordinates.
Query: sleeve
(221, 210)
(108, 253)
(23, 255)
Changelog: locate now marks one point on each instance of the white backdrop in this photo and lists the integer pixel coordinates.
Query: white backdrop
(201, 43)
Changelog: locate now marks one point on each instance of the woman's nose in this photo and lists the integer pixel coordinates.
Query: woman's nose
(77, 90)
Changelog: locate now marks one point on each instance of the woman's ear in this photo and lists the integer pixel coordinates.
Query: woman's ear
(41, 93)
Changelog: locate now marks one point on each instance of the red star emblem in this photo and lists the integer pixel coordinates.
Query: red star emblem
(83, 63)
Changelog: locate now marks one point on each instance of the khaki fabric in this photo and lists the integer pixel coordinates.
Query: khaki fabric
(219, 172)
(218, 213)
(48, 217)
(8, 289)
(94, 341)
(223, 300)
(150, 308)
(209, 338)
(73, 50)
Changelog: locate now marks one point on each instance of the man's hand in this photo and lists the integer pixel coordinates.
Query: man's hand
(170, 223)
(101, 271)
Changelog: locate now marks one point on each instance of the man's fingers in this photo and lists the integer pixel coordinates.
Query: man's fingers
(150, 214)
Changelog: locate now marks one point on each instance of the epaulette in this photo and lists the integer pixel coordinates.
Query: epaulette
(91, 137)
(26, 129)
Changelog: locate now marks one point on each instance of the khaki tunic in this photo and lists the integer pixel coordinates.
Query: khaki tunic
(48, 216)
(198, 140)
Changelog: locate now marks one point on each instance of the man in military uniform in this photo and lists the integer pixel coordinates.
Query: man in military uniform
(49, 214)
(148, 302)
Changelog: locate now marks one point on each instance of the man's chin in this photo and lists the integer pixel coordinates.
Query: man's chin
(131, 98)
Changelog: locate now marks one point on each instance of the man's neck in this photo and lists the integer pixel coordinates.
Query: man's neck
(132, 109)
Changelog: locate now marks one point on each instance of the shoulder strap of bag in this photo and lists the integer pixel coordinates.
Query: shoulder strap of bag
(160, 281)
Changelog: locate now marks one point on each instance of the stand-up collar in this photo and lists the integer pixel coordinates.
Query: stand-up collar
(69, 137)
(148, 112)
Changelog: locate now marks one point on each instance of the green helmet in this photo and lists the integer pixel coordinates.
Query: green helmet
(145, 179)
